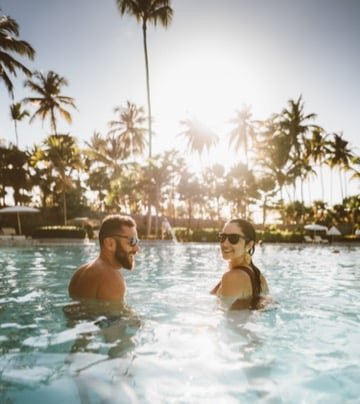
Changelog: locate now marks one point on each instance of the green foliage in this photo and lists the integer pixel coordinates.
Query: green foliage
(205, 235)
(11, 45)
(59, 232)
(277, 236)
(211, 235)
(182, 234)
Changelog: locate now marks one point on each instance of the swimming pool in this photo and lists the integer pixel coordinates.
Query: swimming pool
(178, 346)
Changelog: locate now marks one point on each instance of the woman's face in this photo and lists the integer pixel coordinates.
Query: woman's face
(229, 250)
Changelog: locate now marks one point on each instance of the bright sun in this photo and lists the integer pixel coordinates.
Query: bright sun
(208, 89)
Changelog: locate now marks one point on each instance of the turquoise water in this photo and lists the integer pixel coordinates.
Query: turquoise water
(177, 345)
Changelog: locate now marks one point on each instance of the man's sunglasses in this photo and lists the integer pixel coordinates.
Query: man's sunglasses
(232, 237)
(133, 241)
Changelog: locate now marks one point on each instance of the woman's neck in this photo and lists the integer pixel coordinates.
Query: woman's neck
(238, 261)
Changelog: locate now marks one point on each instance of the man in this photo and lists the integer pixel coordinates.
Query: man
(100, 279)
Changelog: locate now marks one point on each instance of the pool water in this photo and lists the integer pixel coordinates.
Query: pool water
(175, 344)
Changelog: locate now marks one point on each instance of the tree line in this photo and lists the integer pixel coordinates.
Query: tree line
(112, 173)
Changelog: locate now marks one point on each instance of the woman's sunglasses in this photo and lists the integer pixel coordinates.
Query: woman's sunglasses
(133, 241)
(232, 237)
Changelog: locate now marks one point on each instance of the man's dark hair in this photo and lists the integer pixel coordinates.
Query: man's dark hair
(113, 224)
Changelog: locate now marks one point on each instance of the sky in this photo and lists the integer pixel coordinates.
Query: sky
(213, 59)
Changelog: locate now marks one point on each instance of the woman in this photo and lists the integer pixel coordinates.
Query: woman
(242, 286)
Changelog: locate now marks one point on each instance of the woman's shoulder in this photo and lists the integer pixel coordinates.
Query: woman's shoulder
(234, 274)
(234, 282)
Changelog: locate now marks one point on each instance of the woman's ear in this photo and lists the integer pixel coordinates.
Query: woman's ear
(250, 245)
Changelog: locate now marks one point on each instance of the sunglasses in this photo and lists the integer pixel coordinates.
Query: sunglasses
(133, 241)
(232, 237)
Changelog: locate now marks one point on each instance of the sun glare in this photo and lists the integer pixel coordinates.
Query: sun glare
(207, 89)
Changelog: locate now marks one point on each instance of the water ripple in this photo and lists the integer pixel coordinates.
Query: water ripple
(176, 341)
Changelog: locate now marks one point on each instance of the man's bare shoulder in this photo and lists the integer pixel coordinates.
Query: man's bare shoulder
(97, 280)
(84, 276)
(84, 269)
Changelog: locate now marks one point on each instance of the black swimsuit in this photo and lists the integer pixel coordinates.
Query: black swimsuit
(255, 302)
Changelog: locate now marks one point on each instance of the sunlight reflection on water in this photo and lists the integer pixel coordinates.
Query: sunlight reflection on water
(176, 344)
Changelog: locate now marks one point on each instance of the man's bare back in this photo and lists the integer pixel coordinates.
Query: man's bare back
(101, 278)
(97, 280)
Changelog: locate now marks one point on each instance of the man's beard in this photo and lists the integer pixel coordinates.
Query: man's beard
(122, 258)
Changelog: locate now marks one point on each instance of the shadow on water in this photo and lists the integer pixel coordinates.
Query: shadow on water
(102, 326)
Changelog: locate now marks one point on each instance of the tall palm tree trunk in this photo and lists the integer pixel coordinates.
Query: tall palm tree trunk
(264, 211)
(322, 183)
(309, 191)
(149, 116)
(53, 121)
(65, 208)
(147, 88)
(16, 134)
(331, 186)
(345, 185)
(302, 199)
(341, 184)
(189, 219)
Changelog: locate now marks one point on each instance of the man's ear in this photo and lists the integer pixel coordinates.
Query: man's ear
(109, 243)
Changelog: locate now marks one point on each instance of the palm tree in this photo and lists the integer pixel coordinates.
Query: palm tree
(156, 181)
(319, 211)
(107, 152)
(15, 173)
(266, 187)
(273, 152)
(17, 115)
(352, 206)
(49, 102)
(315, 149)
(198, 136)
(242, 133)
(191, 191)
(99, 182)
(339, 155)
(241, 189)
(125, 191)
(147, 11)
(42, 175)
(9, 42)
(61, 156)
(273, 149)
(355, 160)
(128, 128)
(293, 122)
(213, 179)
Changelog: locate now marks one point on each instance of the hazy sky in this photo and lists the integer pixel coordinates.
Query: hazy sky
(214, 58)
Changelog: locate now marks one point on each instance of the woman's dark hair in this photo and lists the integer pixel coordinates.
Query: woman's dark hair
(249, 232)
(113, 224)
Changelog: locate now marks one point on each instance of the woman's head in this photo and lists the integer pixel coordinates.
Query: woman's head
(237, 239)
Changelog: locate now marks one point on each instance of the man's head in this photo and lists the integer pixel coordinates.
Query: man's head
(118, 236)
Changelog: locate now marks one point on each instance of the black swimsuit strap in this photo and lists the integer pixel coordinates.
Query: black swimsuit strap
(255, 284)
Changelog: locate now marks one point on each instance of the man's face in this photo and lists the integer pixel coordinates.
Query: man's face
(125, 252)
